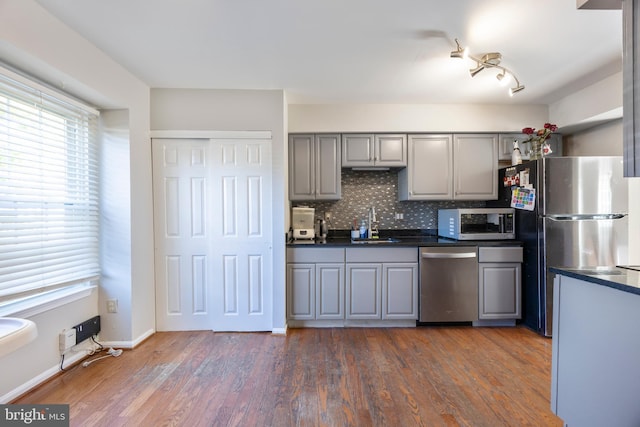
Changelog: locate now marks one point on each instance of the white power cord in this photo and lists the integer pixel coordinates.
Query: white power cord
(110, 352)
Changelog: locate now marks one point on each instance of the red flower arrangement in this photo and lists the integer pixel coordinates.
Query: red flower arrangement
(538, 138)
(542, 134)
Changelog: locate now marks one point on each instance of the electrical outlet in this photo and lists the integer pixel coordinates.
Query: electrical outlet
(112, 306)
(399, 215)
(327, 216)
(67, 339)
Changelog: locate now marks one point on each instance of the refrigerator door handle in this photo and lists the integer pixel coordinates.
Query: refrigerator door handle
(582, 217)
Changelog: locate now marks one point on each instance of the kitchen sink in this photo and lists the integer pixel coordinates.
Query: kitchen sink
(374, 241)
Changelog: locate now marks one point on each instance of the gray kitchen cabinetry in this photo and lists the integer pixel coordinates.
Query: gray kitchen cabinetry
(475, 166)
(506, 145)
(595, 352)
(315, 283)
(374, 150)
(330, 291)
(364, 287)
(400, 290)
(500, 275)
(429, 171)
(381, 283)
(301, 285)
(631, 87)
(450, 167)
(314, 167)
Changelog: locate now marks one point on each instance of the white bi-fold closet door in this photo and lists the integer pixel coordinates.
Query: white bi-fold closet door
(213, 233)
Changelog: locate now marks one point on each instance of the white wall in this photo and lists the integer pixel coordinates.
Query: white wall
(229, 110)
(115, 226)
(39, 44)
(40, 359)
(594, 104)
(601, 140)
(414, 118)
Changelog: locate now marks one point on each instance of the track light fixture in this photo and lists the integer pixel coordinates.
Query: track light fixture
(488, 60)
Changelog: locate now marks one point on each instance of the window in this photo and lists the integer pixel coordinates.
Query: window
(49, 217)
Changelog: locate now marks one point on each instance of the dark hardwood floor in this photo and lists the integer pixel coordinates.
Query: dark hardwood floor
(427, 376)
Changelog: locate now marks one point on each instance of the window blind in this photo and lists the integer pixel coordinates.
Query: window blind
(49, 224)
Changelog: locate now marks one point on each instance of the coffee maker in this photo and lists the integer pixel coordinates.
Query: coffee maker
(302, 223)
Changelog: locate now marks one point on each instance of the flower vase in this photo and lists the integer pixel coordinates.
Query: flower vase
(536, 150)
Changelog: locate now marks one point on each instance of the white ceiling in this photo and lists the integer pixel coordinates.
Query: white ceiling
(354, 51)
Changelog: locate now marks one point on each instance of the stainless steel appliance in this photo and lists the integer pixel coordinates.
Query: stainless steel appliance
(302, 223)
(477, 223)
(448, 284)
(579, 220)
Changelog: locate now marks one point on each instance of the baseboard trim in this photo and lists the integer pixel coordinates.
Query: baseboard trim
(279, 331)
(129, 345)
(43, 377)
(70, 360)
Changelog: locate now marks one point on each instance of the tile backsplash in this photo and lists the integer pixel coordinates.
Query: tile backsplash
(363, 189)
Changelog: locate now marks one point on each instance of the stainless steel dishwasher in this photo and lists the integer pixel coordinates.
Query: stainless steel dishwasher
(448, 284)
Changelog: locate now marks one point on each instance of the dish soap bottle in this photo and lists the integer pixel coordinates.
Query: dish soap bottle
(363, 230)
(516, 156)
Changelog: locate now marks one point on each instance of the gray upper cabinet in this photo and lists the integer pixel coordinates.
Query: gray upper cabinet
(506, 145)
(314, 167)
(450, 167)
(429, 172)
(631, 87)
(374, 150)
(475, 160)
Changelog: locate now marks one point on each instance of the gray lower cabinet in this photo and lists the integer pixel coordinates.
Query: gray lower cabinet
(400, 291)
(595, 353)
(500, 275)
(330, 291)
(382, 283)
(301, 285)
(338, 286)
(315, 283)
(364, 287)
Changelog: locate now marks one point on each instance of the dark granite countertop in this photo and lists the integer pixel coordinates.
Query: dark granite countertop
(414, 238)
(623, 279)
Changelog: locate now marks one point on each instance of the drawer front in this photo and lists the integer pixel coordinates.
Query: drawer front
(385, 254)
(500, 254)
(315, 255)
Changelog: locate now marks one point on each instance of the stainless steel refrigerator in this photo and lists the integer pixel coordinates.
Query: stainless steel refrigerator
(579, 219)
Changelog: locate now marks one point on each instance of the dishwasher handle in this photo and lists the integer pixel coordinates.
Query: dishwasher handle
(448, 255)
